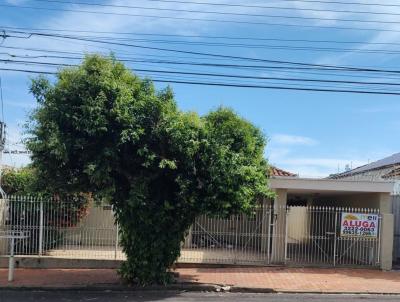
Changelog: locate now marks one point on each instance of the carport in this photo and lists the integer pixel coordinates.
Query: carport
(313, 218)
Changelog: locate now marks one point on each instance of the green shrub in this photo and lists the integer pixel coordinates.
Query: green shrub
(101, 129)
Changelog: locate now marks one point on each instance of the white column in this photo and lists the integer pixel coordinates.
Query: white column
(387, 236)
(279, 221)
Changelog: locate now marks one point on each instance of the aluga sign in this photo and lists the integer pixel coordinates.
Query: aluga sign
(359, 225)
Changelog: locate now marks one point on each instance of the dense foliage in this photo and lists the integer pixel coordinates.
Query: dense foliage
(101, 129)
(19, 181)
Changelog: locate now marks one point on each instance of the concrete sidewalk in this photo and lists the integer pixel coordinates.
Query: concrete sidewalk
(240, 279)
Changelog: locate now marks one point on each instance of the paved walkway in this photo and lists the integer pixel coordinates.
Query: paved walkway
(278, 279)
(300, 279)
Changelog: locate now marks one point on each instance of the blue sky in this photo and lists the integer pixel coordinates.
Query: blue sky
(313, 134)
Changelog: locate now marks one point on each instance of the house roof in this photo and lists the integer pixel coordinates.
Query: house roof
(379, 164)
(279, 172)
(392, 174)
(297, 185)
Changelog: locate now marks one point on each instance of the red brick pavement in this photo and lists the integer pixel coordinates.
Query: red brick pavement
(55, 278)
(279, 279)
(300, 279)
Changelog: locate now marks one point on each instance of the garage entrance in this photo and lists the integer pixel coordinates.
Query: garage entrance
(316, 236)
(291, 235)
(336, 222)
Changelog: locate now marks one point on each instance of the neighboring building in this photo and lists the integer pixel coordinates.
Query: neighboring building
(385, 169)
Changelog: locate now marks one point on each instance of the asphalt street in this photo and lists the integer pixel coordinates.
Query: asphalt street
(171, 296)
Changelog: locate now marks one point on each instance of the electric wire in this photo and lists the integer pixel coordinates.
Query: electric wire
(229, 21)
(269, 7)
(207, 54)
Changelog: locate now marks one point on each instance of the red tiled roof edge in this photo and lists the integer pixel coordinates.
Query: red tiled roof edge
(274, 171)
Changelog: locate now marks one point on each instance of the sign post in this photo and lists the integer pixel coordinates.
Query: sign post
(12, 236)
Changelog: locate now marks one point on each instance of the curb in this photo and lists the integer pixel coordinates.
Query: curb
(187, 288)
(122, 288)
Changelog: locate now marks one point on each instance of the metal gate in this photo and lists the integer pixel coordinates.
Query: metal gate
(239, 239)
(314, 238)
(294, 236)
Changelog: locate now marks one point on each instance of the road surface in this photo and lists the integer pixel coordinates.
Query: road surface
(171, 296)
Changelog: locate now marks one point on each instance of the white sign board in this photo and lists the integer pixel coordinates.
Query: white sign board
(359, 225)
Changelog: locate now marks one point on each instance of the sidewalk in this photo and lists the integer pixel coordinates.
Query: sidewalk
(240, 279)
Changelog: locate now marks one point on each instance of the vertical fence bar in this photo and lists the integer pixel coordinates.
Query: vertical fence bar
(379, 238)
(269, 235)
(236, 238)
(116, 241)
(41, 228)
(335, 238)
(286, 233)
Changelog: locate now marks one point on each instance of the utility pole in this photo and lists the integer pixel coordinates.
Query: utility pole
(2, 139)
(2, 145)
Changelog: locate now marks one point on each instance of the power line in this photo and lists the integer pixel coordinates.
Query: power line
(219, 12)
(260, 6)
(171, 74)
(260, 46)
(221, 84)
(273, 69)
(270, 68)
(212, 54)
(219, 74)
(263, 46)
(29, 71)
(199, 36)
(1, 101)
(230, 21)
(251, 46)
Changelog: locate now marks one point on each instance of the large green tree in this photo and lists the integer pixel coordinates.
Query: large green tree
(99, 128)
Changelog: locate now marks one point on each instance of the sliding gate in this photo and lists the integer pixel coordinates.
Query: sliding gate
(331, 236)
(294, 236)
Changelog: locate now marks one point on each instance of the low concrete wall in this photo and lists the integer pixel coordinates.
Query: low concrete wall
(52, 262)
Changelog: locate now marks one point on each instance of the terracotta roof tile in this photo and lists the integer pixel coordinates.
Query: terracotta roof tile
(274, 171)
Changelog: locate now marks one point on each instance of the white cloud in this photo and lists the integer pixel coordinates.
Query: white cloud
(376, 39)
(286, 139)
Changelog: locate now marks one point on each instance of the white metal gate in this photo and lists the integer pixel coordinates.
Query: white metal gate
(287, 235)
(239, 239)
(314, 238)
